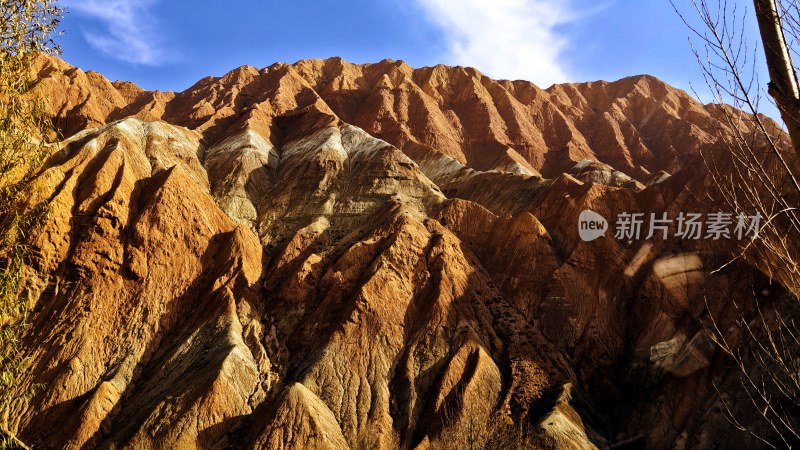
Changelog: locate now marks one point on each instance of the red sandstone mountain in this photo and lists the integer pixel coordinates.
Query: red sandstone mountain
(329, 255)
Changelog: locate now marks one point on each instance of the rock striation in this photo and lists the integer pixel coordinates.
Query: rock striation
(329, 255)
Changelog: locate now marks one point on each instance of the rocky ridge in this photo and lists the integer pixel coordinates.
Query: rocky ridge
(330, 255)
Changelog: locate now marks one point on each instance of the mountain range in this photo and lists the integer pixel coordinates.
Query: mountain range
(325, 255)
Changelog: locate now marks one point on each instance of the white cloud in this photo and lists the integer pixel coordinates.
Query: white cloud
(513, 39)
(131, 32)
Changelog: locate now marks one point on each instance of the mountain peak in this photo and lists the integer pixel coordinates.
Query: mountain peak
(456, 111)
(335, 255)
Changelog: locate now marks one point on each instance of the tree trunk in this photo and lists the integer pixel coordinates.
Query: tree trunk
(783, 78)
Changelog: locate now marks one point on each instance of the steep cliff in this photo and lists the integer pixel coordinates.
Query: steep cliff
(329, 255)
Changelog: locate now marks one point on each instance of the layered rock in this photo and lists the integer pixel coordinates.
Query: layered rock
(329, 255)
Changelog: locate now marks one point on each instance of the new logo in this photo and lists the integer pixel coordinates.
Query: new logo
(591, 225)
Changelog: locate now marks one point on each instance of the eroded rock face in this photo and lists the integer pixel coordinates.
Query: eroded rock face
(328, 255)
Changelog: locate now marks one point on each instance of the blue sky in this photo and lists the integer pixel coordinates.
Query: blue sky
(170, 44)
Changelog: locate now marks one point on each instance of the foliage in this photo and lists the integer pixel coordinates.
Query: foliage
(26, 134)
